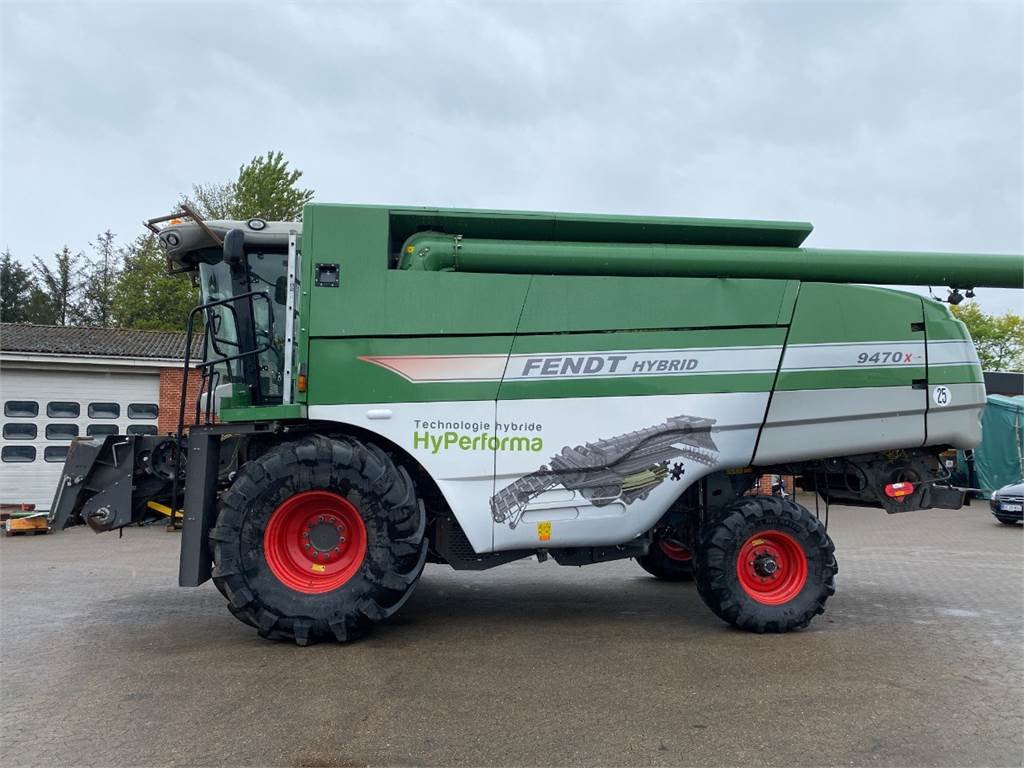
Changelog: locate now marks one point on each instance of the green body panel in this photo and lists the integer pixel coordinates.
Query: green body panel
(827, 313)
(373, 300)
(941, 325)
(562, 303)
(340, 376)
(436, 252)
(263, 413)
(847, 378)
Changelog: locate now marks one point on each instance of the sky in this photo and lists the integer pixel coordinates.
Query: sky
(888, 126)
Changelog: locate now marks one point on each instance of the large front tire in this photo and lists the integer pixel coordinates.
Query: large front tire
(765, 564)
(318, 539)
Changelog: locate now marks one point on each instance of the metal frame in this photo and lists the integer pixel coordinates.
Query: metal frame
(289, 317)
(184, 210)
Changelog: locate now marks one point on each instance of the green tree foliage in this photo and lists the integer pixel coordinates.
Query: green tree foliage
(16, 286)
(130, 287)
(999, 339)
(268, 189)
(96, 305)
(60, 288)
(212, 201)
(145, 295)
(265, 187)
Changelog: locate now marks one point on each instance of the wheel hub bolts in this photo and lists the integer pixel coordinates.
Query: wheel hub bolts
(765, 566)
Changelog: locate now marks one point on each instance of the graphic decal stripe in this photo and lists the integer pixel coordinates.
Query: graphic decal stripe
(689, 361)
(630, 363)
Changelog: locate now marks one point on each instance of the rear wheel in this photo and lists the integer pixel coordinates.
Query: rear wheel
(318, 539)
(765, 564)
(668, 559)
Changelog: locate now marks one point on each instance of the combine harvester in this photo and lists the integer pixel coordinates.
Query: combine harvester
(383, 387)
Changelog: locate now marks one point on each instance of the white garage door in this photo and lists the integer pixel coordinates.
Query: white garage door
(44, 410)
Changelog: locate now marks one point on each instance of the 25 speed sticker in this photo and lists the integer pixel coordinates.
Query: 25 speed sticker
(942, 397)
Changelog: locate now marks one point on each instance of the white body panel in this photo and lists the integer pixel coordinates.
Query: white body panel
(462, 445)
(568, 422)
(820, 423)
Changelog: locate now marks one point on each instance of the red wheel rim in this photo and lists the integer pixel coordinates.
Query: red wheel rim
(674, 551)
(315, 541)
(772, 567)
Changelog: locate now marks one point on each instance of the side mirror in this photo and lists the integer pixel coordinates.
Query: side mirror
(281, 290)
(234, 248)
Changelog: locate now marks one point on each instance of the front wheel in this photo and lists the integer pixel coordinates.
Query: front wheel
(318, 539)
(765, 564)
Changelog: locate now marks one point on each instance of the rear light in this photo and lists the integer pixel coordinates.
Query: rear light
(899, 490)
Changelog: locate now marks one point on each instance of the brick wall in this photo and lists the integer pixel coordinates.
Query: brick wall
(170, 396)
(764, 485)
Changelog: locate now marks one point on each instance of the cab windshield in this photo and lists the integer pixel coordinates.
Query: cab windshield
(265, 271)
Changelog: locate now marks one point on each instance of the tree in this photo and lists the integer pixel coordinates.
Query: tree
(16, 286)
(267, 189)
(59, 288)
(145, 296)
(999, 339)
(212, 201)
(97, 285)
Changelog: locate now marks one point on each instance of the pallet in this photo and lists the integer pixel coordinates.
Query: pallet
(27, 525)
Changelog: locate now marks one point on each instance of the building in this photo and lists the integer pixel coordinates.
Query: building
(58, 383)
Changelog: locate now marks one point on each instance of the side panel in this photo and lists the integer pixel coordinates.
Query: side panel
(608, 468)
(852, 376)
(452, 440)
(558, 303)
(956, 389)
(624, 423)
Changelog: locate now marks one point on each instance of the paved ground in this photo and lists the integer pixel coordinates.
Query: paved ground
(917, 662)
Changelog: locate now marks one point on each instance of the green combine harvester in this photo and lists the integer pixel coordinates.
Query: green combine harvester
(385, 387)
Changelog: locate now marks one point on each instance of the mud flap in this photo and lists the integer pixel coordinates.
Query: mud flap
(196, 561)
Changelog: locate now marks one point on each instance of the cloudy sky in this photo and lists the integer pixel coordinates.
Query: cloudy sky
(886, 125)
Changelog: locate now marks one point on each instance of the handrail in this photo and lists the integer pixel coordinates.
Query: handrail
(208, 364)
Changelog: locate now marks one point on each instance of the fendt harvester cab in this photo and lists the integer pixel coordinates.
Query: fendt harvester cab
(381, 387)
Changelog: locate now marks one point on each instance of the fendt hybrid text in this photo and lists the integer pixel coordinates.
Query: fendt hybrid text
(384, 387)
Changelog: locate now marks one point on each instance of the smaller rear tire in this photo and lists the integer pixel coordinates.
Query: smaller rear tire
(668, 559)
(765, 564)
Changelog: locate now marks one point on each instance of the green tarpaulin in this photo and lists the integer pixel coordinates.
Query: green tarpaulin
(999, 460)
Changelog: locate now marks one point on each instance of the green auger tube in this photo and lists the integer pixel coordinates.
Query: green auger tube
(432, 251)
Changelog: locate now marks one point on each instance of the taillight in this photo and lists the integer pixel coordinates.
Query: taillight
(899, 490)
